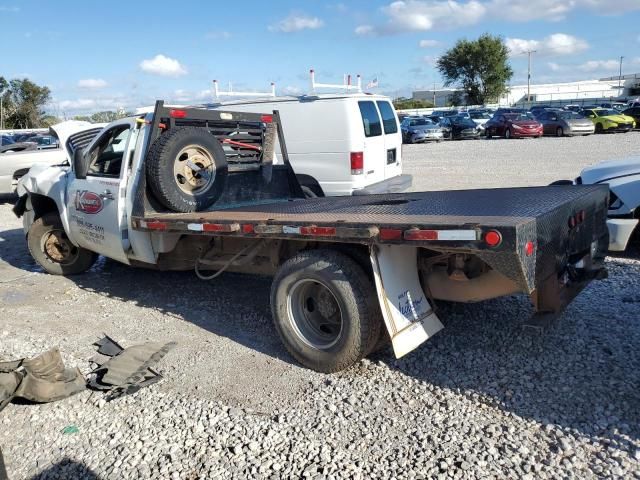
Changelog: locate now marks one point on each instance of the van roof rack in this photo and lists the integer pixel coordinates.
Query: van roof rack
(230, 93)
(346, 83)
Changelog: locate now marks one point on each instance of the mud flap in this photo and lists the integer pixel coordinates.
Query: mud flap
(408, 316)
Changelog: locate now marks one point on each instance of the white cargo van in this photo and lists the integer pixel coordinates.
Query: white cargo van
(338, 144)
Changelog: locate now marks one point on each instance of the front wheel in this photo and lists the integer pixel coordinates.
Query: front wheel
(52, 250)
(507, 133)
(559, 132)
(599, 128)
(325, 310)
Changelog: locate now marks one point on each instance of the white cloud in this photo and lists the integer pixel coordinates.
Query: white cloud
(429, 43)
(164, 66)
(430, 60)
(556, 44)
(364, 30)
(296, 23)
(291, 90)
(223, 35)
(600, 65)
(423, 15)
(92, 83)
(185, 96)
(554, 67)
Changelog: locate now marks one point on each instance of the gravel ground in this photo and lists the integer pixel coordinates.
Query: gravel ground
(480, 400)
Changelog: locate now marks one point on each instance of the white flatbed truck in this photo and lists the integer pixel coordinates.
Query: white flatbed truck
(194, 188)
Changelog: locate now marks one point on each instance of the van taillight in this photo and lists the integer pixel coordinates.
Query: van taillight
(357, 163)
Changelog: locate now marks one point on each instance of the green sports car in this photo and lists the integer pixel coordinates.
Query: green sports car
(609, 120)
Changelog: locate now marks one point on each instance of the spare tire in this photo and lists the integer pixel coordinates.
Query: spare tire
(186, 169)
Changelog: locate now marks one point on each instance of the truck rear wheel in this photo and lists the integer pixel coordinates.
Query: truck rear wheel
(52, 250)
(187, 169)
(325, 310)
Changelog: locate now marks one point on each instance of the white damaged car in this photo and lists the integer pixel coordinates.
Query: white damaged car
(14, 165)
(623, 178)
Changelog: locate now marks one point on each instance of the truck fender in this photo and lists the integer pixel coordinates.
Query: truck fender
(408, 315)
(46, 186)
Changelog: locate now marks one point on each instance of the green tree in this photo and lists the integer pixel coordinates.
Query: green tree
(108, 116)
(402, 103)
(479, 67)
(23, 103)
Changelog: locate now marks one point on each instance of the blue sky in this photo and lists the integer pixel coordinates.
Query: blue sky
(104, 55)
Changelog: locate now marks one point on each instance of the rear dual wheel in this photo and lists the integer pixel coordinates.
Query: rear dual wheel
(325, 310)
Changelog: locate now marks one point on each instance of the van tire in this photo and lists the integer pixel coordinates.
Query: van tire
(52, 250)
(173, 182)
(314, 280)
(308, 193)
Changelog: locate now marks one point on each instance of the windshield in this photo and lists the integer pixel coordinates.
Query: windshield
(520, 117)
(480, 115)
(605, 111)
(570, 115)
(420, 121)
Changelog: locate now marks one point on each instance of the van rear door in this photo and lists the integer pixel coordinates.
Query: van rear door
(392, 139)
(375, 157)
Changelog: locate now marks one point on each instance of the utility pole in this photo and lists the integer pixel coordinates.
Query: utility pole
(434, 94)
(529, 52)
(620, 76)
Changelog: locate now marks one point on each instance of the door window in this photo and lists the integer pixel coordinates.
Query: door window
(388, 118)
(105, 158)
(370, 119)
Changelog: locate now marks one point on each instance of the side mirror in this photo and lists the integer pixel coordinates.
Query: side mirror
(79, 164)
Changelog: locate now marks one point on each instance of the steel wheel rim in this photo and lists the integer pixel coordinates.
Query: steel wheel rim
(314, 314)
(194, 169)
(57, 247)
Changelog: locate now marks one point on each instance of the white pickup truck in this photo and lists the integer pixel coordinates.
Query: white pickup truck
(177, 190)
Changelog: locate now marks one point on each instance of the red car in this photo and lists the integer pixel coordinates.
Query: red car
(513, 125)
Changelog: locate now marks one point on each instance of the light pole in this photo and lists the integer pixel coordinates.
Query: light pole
(529, 77)
(620, 77)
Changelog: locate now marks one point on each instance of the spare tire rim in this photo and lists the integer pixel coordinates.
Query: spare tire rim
(194, 169)
(314, 314)
(58, 248)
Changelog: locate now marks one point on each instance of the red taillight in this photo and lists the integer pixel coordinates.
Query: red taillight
(178, 113)
(572, 222)
(318, 231)
(581, 216)
(357, 163)
(155, 225)
(266, 118)
(390, 234)
(529, 248)
(247, 228)
(493, 238)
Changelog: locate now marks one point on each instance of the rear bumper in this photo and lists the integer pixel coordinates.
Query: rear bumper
(391, 185)
(426, 137)
(620, 231)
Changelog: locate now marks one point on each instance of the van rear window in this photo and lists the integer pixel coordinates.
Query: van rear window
(370, 119)
(388, 117)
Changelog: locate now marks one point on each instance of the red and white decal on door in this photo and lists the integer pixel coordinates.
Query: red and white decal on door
(88, 202)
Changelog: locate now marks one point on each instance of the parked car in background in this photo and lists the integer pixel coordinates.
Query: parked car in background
(609, 120)
(564, 122)
(619, 106)
(15, 165)
(573, 108)
(459, 128)
(445, 113)
(479, 117)
(45, 142)
(633, 112)
(513, 125)
(420, 129)
(538, 109)
(7, 140)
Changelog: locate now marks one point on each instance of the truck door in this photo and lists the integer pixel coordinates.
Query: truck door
(375, 154)
(392, 139)
(96, 208)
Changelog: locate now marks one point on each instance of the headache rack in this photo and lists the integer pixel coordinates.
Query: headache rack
(248, 140)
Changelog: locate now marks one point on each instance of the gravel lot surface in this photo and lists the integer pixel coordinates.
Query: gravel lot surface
(482, 399)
